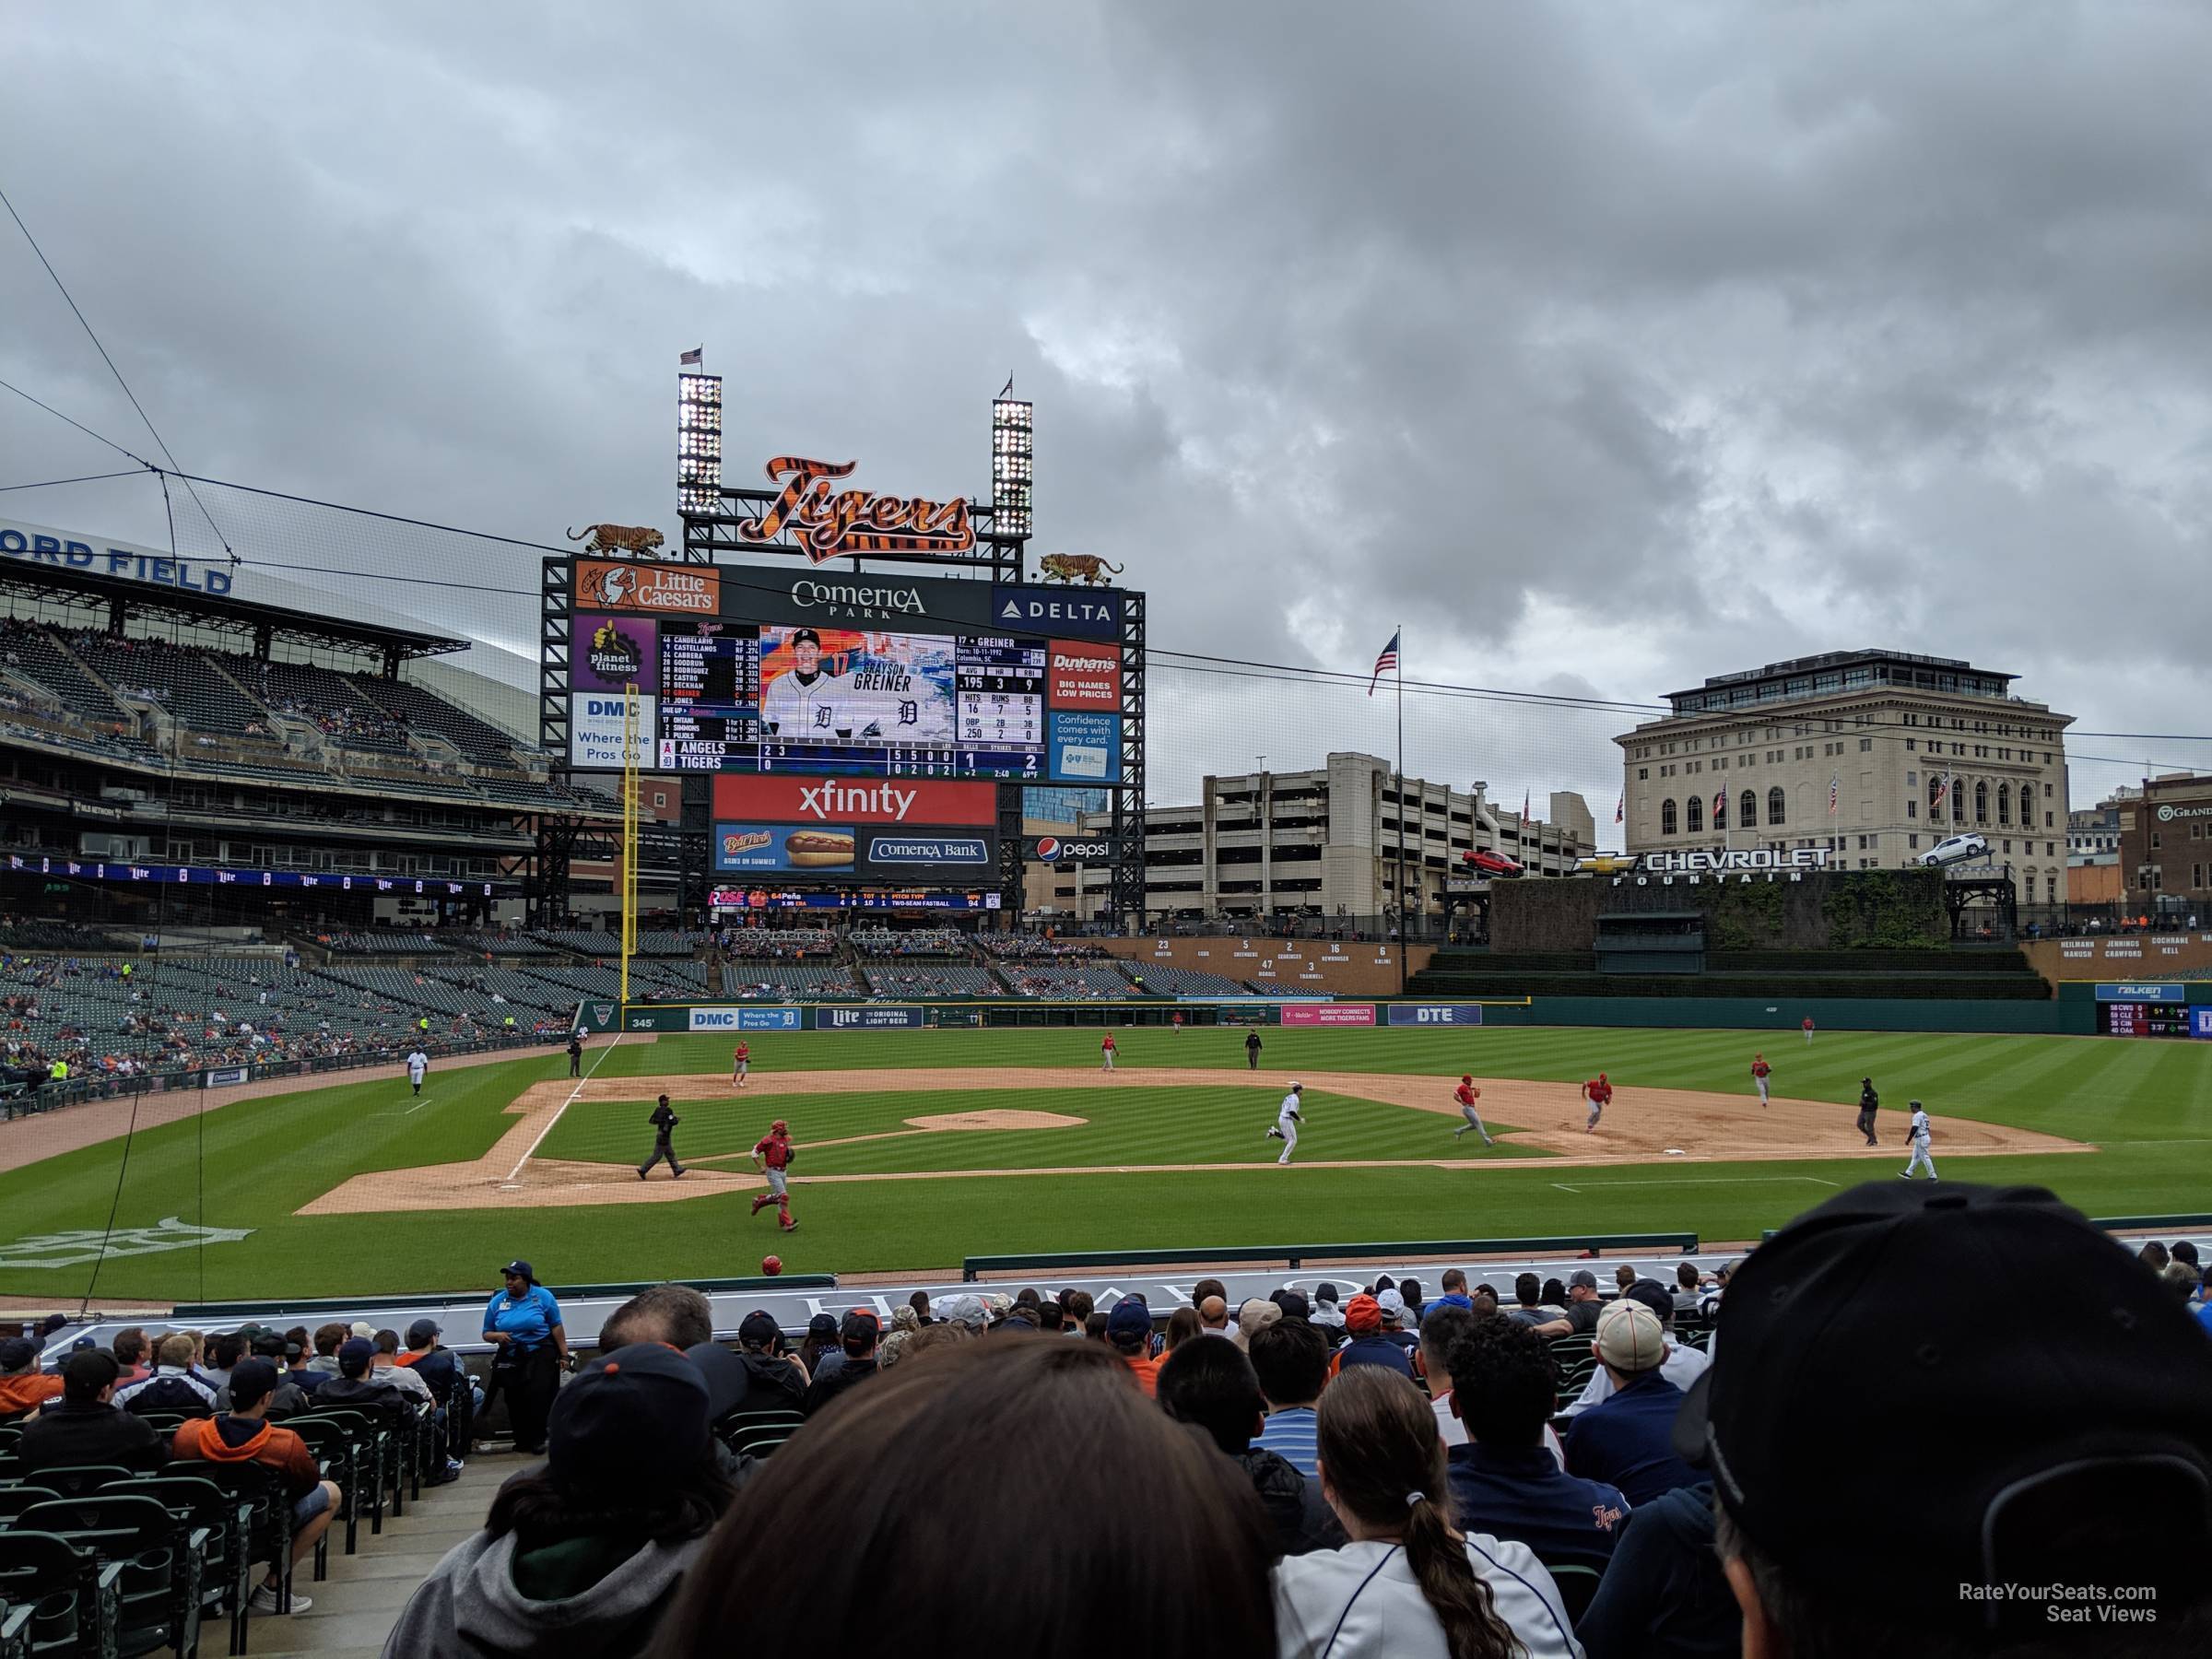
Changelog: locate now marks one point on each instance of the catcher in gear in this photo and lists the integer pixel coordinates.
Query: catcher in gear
(773, 1153)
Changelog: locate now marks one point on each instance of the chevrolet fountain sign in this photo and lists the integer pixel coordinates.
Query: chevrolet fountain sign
(1750, 863)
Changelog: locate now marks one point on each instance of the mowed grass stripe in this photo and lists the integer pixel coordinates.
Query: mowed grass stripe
(267, 1157)
(1125, 1124)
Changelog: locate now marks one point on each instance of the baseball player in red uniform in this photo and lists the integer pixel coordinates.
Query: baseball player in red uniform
(1759, 1070)
(772, 1152)
(1106, 1052)
(1467, 1094)
(741, 1063)
(1598, 1092)
(1808, 1027)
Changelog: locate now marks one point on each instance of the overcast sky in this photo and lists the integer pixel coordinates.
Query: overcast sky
(1606, 347)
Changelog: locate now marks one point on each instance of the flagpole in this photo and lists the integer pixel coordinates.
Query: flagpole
(1404, 929)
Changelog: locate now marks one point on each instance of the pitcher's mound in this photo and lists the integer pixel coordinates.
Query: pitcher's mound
(998, 1120)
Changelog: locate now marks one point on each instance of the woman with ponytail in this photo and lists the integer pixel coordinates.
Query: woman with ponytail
(1409, 1585)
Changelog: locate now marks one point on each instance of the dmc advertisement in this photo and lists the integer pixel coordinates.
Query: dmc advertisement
(607, 654)
(2200, 1021)
(1435, 1013)
(595, 730)
(744, 1020)
(1329, 1014)
(1084, 748)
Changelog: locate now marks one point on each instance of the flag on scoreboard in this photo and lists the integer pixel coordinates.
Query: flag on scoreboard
(693, 358)
(1835, 789)
(1389, 659)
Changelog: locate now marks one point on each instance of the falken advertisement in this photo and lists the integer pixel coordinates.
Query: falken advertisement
(852, 852)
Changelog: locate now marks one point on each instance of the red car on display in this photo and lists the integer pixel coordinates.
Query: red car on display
(1491, 863)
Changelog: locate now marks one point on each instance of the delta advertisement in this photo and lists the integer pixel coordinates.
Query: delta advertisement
(828, 851)
(1435, 1013)
(1328, 1014)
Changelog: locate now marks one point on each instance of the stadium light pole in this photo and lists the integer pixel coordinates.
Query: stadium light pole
(698, 445)
(1013, 464)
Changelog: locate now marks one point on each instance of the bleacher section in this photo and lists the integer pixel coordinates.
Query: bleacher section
(905, 977)
(1187, 982)
(789, 982)
(1065, 983)
(1939, 975)
(424, 709)
(330, 702)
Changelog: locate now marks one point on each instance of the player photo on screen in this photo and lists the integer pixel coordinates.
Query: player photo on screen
(838, 684)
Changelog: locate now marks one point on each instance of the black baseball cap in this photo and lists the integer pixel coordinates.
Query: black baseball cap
(822, 1324)
(807, 634)
(859, 1325)
(629, 1418)
(423, 1331)
(523, 1269)
(2013, 1449)
(252, 1382)
(759, 1329)
(18, 1352)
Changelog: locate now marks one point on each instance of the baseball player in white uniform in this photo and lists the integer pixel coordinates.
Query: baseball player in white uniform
(1918, 1135)
(418, 1064)
(1286, 1122)
(805, 704)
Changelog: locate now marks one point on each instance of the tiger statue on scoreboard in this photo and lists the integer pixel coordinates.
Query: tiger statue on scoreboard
(640, 540)
(1088, 568)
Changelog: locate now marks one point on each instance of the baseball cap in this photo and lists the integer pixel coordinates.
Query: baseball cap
(522, 1268)
(724, 1374)
(18, 1352)
(824, 1325)
(422, 1331)
(1628, 1339)
(859, 1325)
(1583, 1277)
(2067, 1452)
(1392, 1304)
(1129, 1316)
(1293, 1303)
(1362, 1314)
(1324, 1292)
(778, 1127)
(251, 1380)
(361, 1328)
(82, 1343)
(630, 1416)
(805, 634)
(759, 1329)
(1653, 1295)
(354, 1355)
(962, 1311)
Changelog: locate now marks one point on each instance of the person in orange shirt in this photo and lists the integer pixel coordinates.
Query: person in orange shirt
(1129, 1329)
(22, 1388)
(243, 1435)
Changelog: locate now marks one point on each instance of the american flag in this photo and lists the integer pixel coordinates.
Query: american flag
(693, 358)
(1619, 808)
(1720, 807)
(1389, 659)
(1942, 789)
(1835, 789)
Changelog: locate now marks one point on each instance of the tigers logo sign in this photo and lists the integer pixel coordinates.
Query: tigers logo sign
(605, 584)
(826, 523)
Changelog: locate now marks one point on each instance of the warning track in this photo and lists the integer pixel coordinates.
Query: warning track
(1641, 1127)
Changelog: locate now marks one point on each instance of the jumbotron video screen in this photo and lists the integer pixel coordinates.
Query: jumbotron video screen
(740, 670)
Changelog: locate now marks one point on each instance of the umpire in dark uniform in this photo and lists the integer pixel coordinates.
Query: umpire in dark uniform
(1251, 1051)
(575, 1054)
(1868, 1103)
(664, 1123)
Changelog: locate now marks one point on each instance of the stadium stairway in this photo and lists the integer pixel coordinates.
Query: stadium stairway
(356, 1606)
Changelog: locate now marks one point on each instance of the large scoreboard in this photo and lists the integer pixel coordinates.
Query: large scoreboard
(749, 669)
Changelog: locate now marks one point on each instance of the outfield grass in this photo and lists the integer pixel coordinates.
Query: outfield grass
(2148, 1104)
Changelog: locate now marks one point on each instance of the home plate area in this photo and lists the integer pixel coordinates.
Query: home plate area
(1535, 1123)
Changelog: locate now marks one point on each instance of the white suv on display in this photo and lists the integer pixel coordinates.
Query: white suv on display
(1956, 849)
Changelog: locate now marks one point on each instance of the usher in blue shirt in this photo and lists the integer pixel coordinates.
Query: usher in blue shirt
(529, 1318)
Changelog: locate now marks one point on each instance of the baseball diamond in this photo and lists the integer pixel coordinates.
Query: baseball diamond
(917, 1147)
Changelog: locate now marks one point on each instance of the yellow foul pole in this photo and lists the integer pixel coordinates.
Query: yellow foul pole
(630, 836)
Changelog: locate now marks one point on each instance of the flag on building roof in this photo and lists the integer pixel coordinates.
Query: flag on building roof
(1389, 659)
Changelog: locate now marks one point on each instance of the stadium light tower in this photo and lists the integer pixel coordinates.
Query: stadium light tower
(1012, 461)
(698, 445)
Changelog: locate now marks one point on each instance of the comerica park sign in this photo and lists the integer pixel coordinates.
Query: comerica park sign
(1750, 864)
